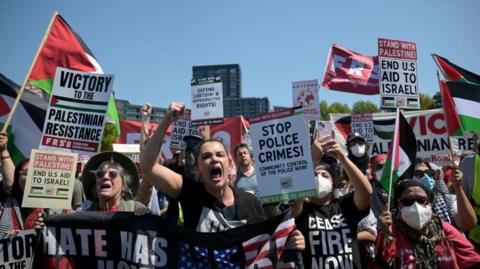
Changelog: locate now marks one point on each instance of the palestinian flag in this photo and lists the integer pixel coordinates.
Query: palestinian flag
(25, 129)
(64, 48)
(461, 105)
(401, 155)
(454, 72)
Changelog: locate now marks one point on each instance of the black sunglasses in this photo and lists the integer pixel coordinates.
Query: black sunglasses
(410, 201)
(420, 174)
(112, 174)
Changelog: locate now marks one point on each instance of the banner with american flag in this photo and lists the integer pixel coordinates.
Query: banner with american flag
(122, 240)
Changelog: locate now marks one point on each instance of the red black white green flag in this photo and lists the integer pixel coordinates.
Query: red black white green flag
(454, 72)
(401, 154)
(461, 103)
(64, 48)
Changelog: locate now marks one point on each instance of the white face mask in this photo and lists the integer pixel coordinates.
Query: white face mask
(337, 193)
(358, 150)
(324, 186)
(416, 215)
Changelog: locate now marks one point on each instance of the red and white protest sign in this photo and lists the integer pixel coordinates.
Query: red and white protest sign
(305, 94)
(398, 74)
(349, 71)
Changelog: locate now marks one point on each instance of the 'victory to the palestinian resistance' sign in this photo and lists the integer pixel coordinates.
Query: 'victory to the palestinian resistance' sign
(282, 156)
(398, 74)
(76, 113)
(50, 179)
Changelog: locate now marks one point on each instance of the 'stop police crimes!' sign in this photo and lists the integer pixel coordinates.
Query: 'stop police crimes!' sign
(398, 74)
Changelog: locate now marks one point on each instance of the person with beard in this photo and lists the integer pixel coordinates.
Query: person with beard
(357, 148)
(417, 238)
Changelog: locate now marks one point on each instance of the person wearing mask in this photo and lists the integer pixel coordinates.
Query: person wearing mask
(329, 224)
(357, 148)
(458, 212)
(416, 238)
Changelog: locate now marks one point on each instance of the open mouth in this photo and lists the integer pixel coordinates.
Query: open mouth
(216, 173)
(105, 185)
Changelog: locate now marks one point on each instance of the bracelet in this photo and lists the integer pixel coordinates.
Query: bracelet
(4, 157)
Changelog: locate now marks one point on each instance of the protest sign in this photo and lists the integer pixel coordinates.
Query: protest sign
(180, 128)
(131, 150)
(398, 74)
(305, 94)
(428, 126)
(282, 156)
(123, 240)
(76, 113)
(16, 251)
(50, 179)
(362, 123)
(207, 102)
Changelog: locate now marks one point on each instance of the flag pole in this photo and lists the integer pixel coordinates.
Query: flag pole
(452, 156)
(394, 155)
(22, 88)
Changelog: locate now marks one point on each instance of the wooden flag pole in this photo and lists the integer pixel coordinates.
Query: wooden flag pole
(20, 93)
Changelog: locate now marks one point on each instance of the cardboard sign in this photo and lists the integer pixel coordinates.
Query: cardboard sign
(50, 179)
(17, 250)
(180, 128)
(305, 94)
(207, 103)
(398, 74)
(282, 156)
(76, 112)
(362, 123)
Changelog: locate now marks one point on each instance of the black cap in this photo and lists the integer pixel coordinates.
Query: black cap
(355, 136)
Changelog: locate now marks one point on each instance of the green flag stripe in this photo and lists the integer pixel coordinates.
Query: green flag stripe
(469, 123)
(43, 84)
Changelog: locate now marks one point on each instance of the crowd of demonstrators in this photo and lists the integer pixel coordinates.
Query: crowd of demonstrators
(432, 222)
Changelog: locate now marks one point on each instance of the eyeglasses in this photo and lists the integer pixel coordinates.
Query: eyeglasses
(420, 173)
(410, 201)
(112, 174)
(23, 172)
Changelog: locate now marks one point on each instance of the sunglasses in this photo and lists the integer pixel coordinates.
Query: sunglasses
(420, 174)
(410, 201)
(112, 174)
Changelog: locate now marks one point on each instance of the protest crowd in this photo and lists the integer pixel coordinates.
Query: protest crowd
(283, 198)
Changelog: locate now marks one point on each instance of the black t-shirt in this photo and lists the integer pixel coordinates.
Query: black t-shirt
(330, 233)
(196, 202)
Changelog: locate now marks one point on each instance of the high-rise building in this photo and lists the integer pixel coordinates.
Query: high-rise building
(127, 111)
(229, 73)
(246, 106)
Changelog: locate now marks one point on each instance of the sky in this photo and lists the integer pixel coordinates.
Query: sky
(151, 45)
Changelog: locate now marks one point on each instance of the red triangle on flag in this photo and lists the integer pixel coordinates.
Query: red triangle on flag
(4, 107)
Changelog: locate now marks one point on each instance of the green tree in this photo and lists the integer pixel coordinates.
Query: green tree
(437, 98)
(426, 102)
(337, 107)
(324, 110)
(109, 137)
(365, 107)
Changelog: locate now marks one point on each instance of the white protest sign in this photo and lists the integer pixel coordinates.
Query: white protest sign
(398, 74)
(282, 156)
(362, 123)
(17, 250)
(180, 128)
(50, 179)
(207, 103)
(76, 113)
(131, 150)
(305, 94)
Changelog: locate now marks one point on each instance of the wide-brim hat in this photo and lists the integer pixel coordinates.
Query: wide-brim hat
(88, 177)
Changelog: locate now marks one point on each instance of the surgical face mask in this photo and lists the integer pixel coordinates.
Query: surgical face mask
(416, 215)
(337, 193)
(358, 150)
(428, 181)
(324, 186)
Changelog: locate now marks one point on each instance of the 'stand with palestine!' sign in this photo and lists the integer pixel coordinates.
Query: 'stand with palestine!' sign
(282, 156)
(398, 74)
(76, 113)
